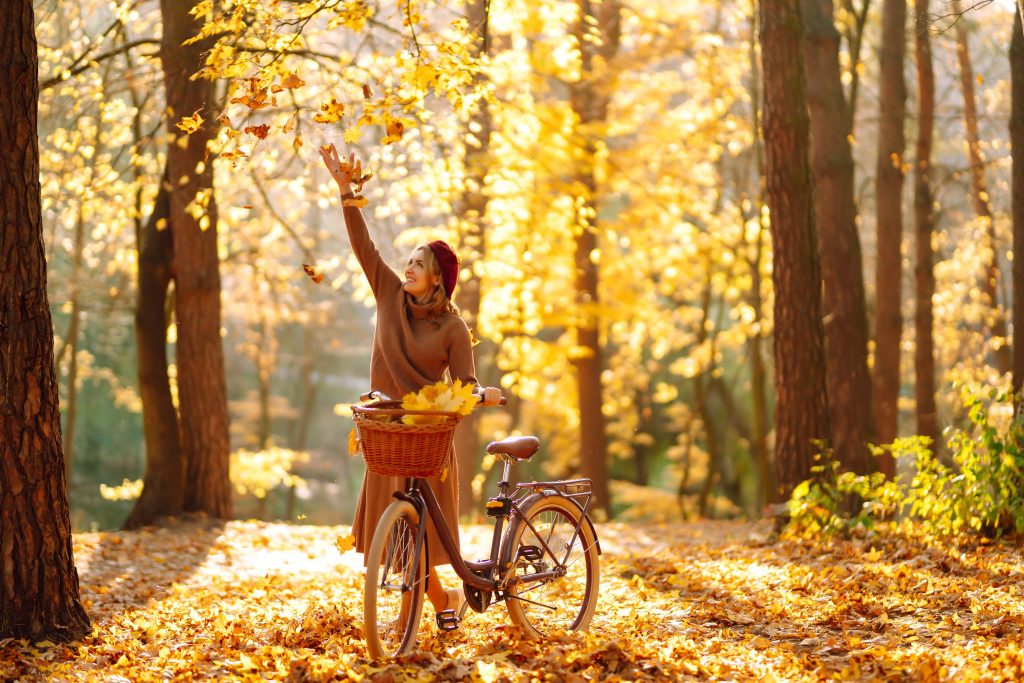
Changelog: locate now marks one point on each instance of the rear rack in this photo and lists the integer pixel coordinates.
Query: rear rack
(570, 488)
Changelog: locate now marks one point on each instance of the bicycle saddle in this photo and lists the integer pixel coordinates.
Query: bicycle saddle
(518, 447)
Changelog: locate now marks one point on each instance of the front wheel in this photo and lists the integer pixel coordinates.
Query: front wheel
(395, 579)
(551, 569)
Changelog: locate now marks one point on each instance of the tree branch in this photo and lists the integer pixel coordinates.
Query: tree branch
(68, 73)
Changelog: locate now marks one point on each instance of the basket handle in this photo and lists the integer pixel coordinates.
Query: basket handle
(402, 411)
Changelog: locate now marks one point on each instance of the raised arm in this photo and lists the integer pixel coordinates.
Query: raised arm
(378, 273)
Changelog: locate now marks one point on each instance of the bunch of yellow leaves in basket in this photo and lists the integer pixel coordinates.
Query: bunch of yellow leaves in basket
(451, 398)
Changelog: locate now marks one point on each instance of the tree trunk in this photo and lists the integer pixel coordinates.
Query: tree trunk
(700, 400)
(924, 275)
(854, 33)
(846, 332)
(1017, 186)
(892, 108)
(163, 490)
(758, 373)
(39, 593)
(589, 98)
(995, 321)
(802, 422)
(471, 211)
(202, 392)
(71, 345)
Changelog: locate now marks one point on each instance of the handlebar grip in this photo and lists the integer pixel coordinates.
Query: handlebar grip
(372, 394)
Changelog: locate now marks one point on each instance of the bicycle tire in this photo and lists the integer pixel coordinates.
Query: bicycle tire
(393, 570)
(573, 596)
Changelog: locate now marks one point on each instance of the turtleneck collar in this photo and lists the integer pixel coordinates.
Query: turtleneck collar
(419, 311)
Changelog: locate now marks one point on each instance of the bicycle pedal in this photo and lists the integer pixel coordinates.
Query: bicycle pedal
(447, 620)
(530, 553)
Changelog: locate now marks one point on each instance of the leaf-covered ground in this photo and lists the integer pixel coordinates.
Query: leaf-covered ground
(689, 601)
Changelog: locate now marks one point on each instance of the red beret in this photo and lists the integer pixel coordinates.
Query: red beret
(449, 263)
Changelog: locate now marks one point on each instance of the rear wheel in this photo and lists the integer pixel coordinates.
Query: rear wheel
(554, 569)
(395, 580)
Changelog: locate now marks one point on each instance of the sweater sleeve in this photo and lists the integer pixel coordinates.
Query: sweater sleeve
(378, 273)
(460, 358)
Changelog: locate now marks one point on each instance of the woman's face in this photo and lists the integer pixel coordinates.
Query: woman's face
(419, 282)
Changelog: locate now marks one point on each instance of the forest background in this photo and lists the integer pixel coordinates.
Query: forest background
(608, 205)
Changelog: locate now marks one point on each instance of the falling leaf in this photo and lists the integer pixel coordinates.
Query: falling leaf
(314, 274)
(345, 543)
(367, 93)
(259, 131)
(395, 130)
(353, 442)
(330, 112)
(190, 124)
(292, 81)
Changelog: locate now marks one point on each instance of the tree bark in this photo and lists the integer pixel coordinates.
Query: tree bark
(994, 321)
(71, 344)
(589, 99)
(892, 108)
(39, 592)
(471, 212)
(855, 41)
(1017, 186)
(202, 391)
(163, 489)
(802, 422)
(924, 275)
(758, 373)
(700, 400)
(846, 329)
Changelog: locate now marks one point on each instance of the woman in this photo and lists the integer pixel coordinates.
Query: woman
(419, 336)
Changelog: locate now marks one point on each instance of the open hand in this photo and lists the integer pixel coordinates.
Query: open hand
(343, 172)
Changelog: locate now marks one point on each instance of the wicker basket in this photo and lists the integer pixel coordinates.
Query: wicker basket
(394, 449)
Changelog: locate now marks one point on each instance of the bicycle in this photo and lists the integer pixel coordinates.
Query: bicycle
(544, 565)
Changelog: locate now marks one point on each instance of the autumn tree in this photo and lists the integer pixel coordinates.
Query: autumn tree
(597, 30)
(924, 275)
(846, 335)
(1017, 192)
(471, 210)
(889, 175)
(801, 422)
(39, 594)
(193, 223)
(995, 323)
(163, 491)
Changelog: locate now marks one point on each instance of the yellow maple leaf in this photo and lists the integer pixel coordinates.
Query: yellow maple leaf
(190, 124)
(395, 129)
(353, 442)
(345, 543)
(330, 112)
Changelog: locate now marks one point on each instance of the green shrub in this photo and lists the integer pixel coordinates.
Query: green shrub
(982, 492)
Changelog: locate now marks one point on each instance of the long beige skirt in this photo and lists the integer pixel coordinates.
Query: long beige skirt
(375, 496)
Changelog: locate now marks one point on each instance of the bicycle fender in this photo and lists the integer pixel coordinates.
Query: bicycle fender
(504, 555)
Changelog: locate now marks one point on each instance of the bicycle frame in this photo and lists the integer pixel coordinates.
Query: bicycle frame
(421, 496)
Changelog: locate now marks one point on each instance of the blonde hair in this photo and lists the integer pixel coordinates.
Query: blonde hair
(436, 302)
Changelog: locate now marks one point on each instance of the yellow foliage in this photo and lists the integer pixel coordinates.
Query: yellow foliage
(257, 472)
(453, 398)
(127, 490)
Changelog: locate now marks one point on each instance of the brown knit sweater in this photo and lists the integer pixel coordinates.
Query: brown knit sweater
(410, 351)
